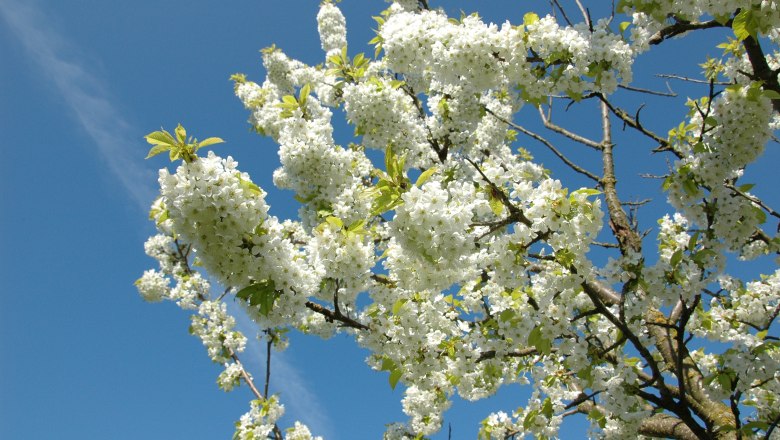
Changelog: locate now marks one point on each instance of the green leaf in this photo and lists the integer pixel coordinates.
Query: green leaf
(157, 149)
(395, 376)
(160, 137)
(587, 191)
(744, 24)
(692, 241)
(598, 417)
(676, 258)
(760, 214)
(724, 379)
(746, 187)
(398, 305)
(262, 294)
(565, 257)
(547, 408)
(530, 18)
(425, 176)
(181, 134)
(586, 374)
(496, 205)
(248, 185)
(624, 25)
(537, 340)
(750, 426)
(210, 141)
(335, 222)
(689, 186)
(668, 181)
(530, 418)
(771, 94)
(387, 364)
(289, 100)
(163, 216)
(702, 257)
(305, 90)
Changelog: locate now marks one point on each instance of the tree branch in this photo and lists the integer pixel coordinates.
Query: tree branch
(331, 316)
(683, 26)
(560, 130)
(628, 239)
(761, 70)
(753, 199)
(550, 146)
(635, 124)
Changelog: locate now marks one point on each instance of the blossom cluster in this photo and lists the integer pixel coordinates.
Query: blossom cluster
(428, 47)
(332, 28)
(722, 137)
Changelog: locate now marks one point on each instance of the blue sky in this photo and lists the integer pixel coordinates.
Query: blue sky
(81, 82)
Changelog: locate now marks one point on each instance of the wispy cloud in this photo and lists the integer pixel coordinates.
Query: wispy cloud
(300, 402)
(85, 94)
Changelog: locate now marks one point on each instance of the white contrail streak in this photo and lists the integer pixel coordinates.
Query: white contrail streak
(85, 94)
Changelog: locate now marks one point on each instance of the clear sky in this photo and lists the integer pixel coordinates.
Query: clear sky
(81, 82)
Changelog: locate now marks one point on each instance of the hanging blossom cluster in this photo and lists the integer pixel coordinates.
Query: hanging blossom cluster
(722, 137)
(462, 265)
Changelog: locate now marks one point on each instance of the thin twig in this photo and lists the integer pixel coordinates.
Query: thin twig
(550, 146)
(268, 361)
(560, 130)
(753, 199)
(565, 17)
(247, 378)
(634, 123)
(606, 245)
(693, 80)
(585, 14)
(648, 91)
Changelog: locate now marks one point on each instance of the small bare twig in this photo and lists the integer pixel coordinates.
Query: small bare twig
(639, 203)
(753, 199)
(247, 378)
(560, 130)
(634, 123)
(268, 345)
(585, 14)
(693, 80)
(563, 13)
(648, 91)
(550, 146)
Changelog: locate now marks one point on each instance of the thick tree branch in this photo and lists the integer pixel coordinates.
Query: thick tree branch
(664, 425)
(629, 240)
(331, 316)
(761, 70)
(683, 26)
